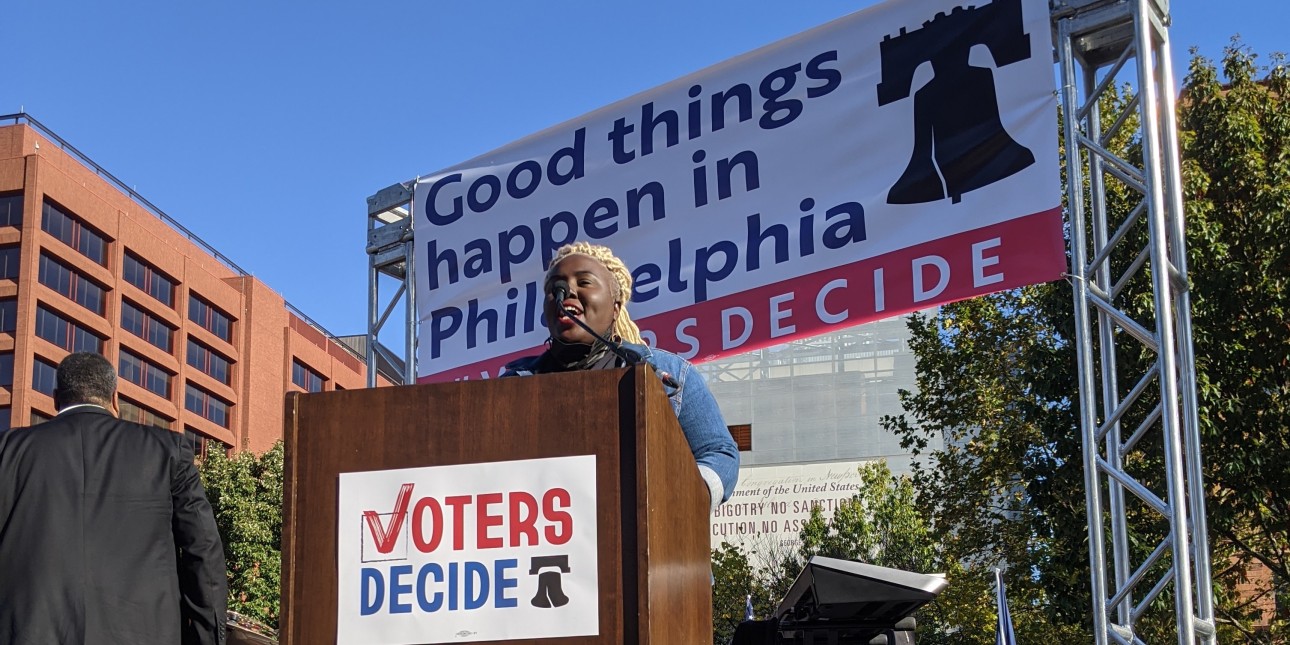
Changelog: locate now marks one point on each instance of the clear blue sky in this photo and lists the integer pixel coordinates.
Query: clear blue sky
(264, 126)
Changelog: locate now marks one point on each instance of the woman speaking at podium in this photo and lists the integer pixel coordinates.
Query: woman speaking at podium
(587, 289)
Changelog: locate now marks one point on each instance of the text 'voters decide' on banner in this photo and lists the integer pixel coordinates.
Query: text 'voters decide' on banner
(474, 552)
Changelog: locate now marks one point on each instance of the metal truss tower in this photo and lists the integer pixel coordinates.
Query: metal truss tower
(389, 251)
(1150, 385)
(1100, 44)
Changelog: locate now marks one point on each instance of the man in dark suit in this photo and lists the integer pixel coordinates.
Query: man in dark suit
(106, 536)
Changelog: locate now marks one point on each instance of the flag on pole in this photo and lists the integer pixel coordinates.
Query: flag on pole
(748, 610)
(1003, 634)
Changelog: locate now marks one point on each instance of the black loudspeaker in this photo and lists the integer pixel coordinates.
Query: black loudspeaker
(901, 634)
(756, 632)
(851, 603)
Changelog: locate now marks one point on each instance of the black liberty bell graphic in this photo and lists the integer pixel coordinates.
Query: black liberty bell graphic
(550, 591)
(959, 141)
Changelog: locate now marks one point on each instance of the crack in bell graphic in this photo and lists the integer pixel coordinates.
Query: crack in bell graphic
(550, 592)
(960, 144)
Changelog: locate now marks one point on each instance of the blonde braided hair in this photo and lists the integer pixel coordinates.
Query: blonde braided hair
(624, 327)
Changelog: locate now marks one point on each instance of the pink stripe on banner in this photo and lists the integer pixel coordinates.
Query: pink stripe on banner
(1015, 253)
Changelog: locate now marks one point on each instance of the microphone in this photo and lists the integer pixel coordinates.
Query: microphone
(560, 291)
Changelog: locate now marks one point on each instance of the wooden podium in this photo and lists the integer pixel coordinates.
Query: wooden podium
(652, 505)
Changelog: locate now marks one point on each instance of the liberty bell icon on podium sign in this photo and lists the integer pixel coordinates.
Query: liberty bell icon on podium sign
(960, 144)
(550, 591)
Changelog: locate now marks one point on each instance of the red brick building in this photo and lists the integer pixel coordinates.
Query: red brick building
(87, 265)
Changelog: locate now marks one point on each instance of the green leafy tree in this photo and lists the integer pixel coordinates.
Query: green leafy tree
(1236, 149)
(997, 379)
(882, 524)
(245, 492)
(735, 579)
(1004, 449)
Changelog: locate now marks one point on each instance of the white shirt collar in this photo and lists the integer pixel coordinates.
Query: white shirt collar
(82, 405)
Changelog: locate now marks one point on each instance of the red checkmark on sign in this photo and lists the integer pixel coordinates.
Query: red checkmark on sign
(386, 536)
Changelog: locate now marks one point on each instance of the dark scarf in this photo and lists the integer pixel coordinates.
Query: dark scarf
(567, 357)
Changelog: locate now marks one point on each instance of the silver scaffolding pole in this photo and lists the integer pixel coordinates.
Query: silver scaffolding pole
(390, 257)
(1102, 44)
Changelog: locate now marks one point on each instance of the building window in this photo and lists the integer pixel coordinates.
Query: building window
(9, 256)
(306, 378)
(8, 315)
(210, 318)
(202, 444)
(5, 418)
(141, 324)
(65, 333)
(206, 405)
(142, 275)
(73, 233)
(209, 362)
(74, 286)
(131, 411)
(44, 377)
(38, 418)
(6, 369)
(11, 209)
(143, 373)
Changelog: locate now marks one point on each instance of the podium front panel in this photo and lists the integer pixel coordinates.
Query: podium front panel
(648, 561)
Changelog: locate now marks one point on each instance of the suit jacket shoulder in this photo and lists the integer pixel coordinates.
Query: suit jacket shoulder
(93, 511)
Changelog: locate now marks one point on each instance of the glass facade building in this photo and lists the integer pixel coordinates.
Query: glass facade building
(819, 399)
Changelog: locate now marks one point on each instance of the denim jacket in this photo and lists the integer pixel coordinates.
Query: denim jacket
(696, 410)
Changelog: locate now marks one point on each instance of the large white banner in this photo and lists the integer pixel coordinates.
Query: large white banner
(891, 160)
(476, 552)
(766, 512)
